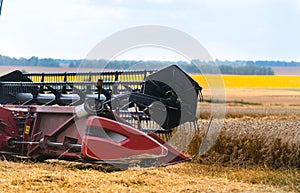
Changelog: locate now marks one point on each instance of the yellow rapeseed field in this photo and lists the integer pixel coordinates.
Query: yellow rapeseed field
(251, 81)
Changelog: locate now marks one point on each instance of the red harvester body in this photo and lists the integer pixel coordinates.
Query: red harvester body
(73, 132)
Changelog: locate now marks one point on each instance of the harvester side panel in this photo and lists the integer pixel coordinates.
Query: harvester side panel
(55, 125)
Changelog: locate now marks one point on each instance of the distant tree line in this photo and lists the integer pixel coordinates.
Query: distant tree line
(257, 63)
(202, 67)
(225, 67)
(33, 61)
(246, 70)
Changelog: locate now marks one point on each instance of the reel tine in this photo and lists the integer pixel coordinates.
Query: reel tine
(202, 148)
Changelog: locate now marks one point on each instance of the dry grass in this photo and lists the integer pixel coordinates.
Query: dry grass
(270, 141)
(59, 176)
(265, 135)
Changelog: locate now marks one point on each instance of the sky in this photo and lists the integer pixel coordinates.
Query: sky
(228, 29)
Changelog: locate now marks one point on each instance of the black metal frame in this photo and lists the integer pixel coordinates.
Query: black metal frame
(82, 83)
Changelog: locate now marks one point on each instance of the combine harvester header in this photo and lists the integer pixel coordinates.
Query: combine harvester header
(130, 119)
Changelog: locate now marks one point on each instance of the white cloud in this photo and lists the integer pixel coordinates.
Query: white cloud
(50, 27)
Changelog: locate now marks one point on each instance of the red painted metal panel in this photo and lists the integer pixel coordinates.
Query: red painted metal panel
(11, 127)
(136, 145)
(173, 156)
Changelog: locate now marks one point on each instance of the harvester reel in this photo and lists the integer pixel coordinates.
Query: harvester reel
(147, 114)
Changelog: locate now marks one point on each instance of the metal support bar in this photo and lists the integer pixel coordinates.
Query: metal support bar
(74, 146)
(54, 144)
(68, 145)
(25, 142)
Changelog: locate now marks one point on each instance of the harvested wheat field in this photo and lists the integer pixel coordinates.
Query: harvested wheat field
(62, 176)
(257, 150)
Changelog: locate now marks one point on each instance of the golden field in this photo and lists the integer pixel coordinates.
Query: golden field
(61, 176)
(258, 150)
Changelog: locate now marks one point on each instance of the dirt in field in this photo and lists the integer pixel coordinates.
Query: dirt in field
(267, 97)
(295, 71)
(253, 103)
(259, 97)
